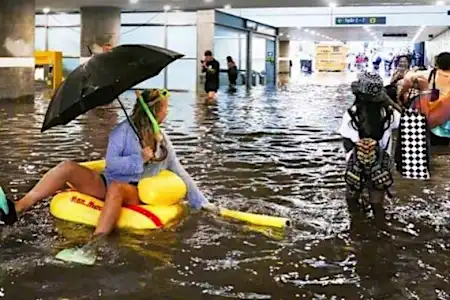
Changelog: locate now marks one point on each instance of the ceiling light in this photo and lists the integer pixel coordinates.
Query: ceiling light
(167, 7)
(46, 10)
(134, 1)
(208, 1)
(440, 2)
(288, 36)
(306, 30)
(312, 32)
(332, 4)
(281, 34)
(228, 6)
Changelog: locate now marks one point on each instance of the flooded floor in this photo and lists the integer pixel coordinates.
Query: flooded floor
(271, 152)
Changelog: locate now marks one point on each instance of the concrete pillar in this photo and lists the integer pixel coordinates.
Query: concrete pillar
(100, 26)
(248, 73)
(283, 57)
(17, 49)
(205, 40)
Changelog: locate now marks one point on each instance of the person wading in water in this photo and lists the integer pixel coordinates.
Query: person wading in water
(367, 132)
(212, 68)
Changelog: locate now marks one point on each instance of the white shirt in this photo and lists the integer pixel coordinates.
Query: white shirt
(347, 131)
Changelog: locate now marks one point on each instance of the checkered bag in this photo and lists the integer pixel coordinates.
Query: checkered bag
(415, 157)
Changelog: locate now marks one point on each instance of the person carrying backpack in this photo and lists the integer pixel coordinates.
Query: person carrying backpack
(367, 132)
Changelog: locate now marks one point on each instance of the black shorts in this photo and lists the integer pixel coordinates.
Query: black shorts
(211, 87)
(105, 182)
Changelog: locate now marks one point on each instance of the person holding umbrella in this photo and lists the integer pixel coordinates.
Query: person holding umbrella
(126, 163)
(137, 147)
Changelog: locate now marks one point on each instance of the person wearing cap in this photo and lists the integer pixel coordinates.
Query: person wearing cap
(127, 162)
(211, 67)
(372, 115)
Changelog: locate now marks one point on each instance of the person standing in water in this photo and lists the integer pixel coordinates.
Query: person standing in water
(212, 68)
(232, 73)
(127, 162)
(367, 134)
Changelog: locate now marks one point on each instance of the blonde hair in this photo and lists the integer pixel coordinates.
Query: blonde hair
(144, 126)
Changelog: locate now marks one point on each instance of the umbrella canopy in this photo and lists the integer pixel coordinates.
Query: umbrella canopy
(103, 78)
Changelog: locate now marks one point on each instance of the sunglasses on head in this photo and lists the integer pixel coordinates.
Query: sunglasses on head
(163, 93)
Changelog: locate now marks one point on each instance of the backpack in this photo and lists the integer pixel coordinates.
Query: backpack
(369, 165)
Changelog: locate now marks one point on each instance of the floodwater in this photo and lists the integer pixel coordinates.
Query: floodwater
(271, 152)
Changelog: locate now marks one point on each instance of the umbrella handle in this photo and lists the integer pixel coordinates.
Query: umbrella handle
(131, 122)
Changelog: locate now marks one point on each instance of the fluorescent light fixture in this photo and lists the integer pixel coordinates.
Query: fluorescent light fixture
(332, 4)
(281, 34)
(440, 2)
(167, 7)
(418, 33)
(288, 36)
(134, 1)
(228, 6)
(46, 10)
(306, 30)
(208, 1)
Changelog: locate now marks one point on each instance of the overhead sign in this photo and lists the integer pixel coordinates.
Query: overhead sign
(360, 20)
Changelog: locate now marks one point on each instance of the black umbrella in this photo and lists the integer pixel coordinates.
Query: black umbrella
(103, 78)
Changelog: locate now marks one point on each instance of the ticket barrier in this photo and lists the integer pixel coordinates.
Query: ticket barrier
(48, 68)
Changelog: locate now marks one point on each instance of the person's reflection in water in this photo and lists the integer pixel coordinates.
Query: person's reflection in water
(376, 258)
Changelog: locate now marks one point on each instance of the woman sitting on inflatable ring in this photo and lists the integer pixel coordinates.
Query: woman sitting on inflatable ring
(126, 163)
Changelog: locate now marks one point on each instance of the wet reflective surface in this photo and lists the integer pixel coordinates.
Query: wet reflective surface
(272, 152)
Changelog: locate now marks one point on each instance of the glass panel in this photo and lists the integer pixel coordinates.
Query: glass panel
(224, 48)
(243, 60)
(142, 35)
(153, 83)
(58, 19)
(229, 42)
(174, 18)
(141, 18)
(69, 64)
(221, 31)
(183, 39)
(39, 20)
(66, 40)
(39, 38)
(182, 75)
(182, 18)
(64, 20)
(258, 54)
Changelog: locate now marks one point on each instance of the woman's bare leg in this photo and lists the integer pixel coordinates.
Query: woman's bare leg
(83, 180)
(117, 194)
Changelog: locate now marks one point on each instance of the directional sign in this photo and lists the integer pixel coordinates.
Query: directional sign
(360, 21)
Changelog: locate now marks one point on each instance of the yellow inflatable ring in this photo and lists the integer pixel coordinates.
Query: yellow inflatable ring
(80, 208)
(162, 195)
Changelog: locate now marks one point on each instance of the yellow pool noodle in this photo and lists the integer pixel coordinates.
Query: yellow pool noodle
(256, 219)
